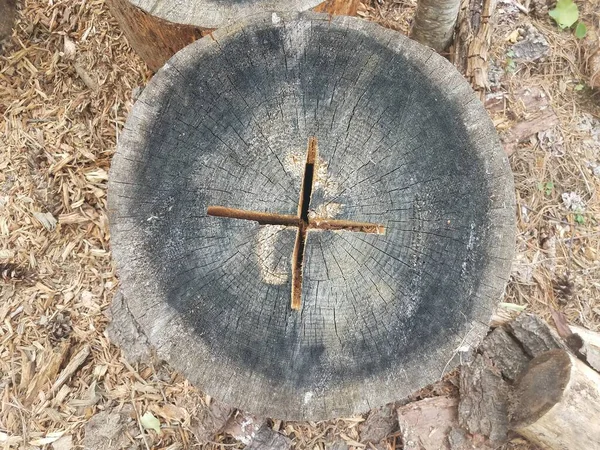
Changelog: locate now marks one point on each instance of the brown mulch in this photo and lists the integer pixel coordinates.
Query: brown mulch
(66, 83)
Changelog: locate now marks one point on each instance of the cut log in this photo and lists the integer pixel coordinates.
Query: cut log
(125, 333)
(399, 245)
(590, 345)
(157, 29)
(556, 403)
(154, 39)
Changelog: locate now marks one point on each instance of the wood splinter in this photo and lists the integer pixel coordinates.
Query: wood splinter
(301, 220)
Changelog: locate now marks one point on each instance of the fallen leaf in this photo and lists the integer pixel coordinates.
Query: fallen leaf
(580, 30)
(565, 14)
(149, 422)
(69, 48)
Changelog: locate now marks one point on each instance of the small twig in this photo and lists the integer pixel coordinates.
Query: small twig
(41, 120)
(139, 422)
(521, 8)
(70, 369)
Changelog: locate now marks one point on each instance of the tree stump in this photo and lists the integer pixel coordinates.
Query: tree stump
(310, 215)
(556, 403)
(157, 29)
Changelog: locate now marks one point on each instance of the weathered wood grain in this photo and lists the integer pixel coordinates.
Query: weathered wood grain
(402, 142)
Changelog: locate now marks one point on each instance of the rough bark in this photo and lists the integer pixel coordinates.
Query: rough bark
(209, 420)
(268, 439)
(432, 424)
(125, 333)
(472, 42)
(427, 423)
(157, 29)
(483, 400)
(505, 353)
(380, 423)
(227, 123)
(8, 14)
(434, 23)
(556, 403)
(535, 336)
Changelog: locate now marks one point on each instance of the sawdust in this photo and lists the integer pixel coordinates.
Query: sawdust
(66, 83)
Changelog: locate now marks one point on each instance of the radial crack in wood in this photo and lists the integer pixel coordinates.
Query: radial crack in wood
(403, 146)
(301, 221)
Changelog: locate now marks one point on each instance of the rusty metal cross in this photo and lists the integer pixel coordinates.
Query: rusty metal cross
(301, 220)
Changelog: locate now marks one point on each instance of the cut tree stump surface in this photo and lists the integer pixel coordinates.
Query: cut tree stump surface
(216, 13)
(402, 143)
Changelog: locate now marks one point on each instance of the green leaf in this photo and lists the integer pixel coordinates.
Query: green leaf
(149, 422)
(579, 87)
(511, 65)
(549, 187)
(565, 13)
(580, 30)
(580, 219)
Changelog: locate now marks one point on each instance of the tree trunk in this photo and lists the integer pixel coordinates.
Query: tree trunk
(158, 36)
(434, 23)
(8, 13)
(556, 403)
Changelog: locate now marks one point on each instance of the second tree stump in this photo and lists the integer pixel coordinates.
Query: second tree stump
(157, 29)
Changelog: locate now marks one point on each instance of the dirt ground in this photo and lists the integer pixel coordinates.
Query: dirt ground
(67, 78)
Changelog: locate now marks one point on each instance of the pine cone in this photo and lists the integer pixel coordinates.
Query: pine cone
(564, 287)
(59, 328)
(12, 272)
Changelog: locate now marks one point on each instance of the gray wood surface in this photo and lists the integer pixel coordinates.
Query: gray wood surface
(402, 141)
(217, 13)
